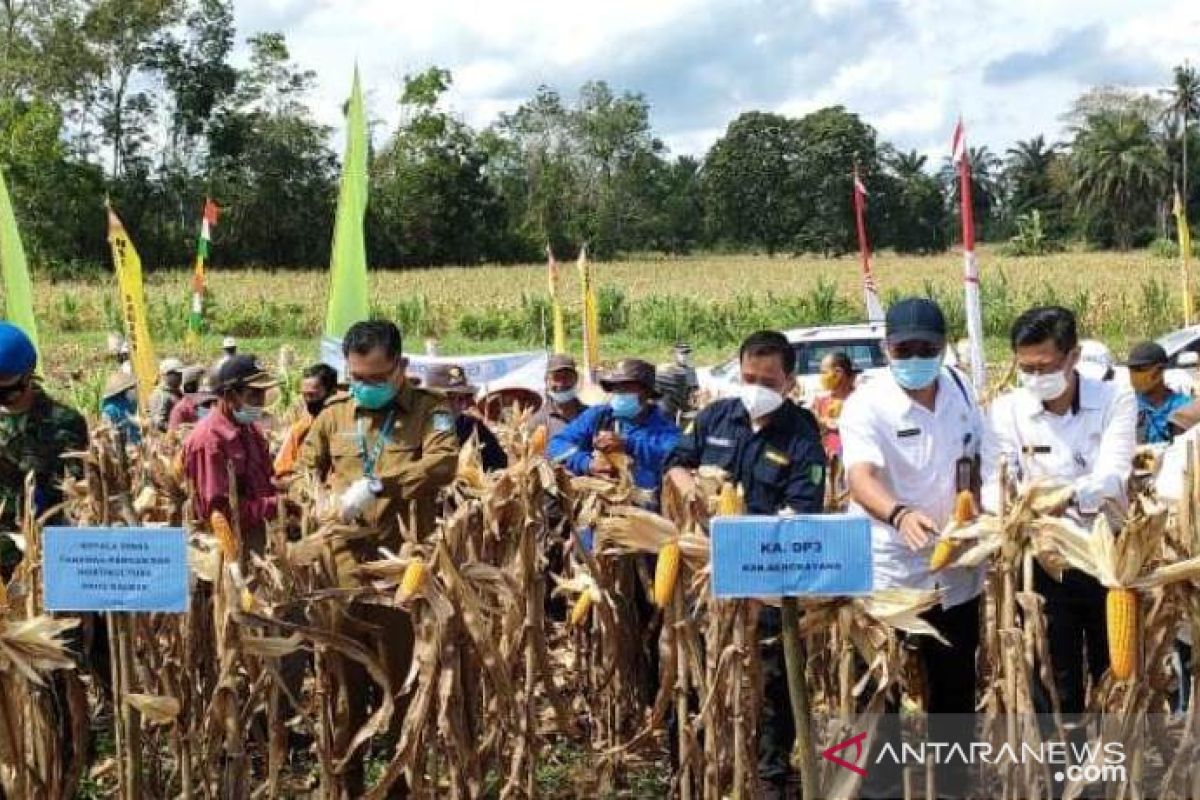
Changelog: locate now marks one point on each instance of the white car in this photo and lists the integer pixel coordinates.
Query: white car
(862, 342)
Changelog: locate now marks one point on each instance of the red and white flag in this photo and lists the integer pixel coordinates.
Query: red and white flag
(870, 291)
(958, 149)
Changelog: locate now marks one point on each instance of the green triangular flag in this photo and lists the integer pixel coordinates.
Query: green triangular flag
(348, 267)
(18, 289)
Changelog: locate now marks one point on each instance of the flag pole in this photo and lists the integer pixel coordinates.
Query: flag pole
(1184, 236)
(870, 292)
(970, 265)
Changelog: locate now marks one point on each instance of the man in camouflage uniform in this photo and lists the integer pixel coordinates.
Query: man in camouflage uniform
(385, 449)
(35, 431)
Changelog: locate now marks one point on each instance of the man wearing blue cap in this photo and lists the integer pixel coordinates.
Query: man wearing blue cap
(35, 431)
(910, 444)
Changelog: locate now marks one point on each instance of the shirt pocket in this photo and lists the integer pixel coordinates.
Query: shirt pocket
(770, 474)
(719, 452)
(346, 455)
(396, 457)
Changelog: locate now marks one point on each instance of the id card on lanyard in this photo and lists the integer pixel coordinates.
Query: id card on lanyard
(371, 457)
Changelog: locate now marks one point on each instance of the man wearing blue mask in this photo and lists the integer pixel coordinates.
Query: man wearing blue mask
(385, 449)
(910, 444)
(229, 436)
(629, 424)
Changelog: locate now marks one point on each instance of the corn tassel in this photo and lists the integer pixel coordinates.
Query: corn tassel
(579, 611)
(1122, 618)
(666, 573)
(415, 576)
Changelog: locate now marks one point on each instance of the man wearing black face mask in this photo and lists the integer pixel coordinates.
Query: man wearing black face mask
(771, 448)
(316, 387)
(35, 431)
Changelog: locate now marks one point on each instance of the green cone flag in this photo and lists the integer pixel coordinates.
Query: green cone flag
(18, 290)
(348, 266)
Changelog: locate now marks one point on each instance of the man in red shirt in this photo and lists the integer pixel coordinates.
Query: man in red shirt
(226, 440)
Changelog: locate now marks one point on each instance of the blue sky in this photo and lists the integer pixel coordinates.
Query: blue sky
(909, 67)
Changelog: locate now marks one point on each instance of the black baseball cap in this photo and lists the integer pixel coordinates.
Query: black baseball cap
(1147, 354)
(915, 319)
(243, 372)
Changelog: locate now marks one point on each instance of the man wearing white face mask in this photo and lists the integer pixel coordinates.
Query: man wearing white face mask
(1064, 428)
(562, 404)
(229, 436)
(772, 448)
(910, 444)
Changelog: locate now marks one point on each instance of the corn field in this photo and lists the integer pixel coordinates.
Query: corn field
(646, 305)
(550, 613)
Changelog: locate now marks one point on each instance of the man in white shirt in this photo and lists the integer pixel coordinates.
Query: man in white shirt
(1061, 427)
(910, 444)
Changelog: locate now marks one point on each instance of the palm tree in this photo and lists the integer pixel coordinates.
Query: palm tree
(1027, 172)
(1183, 104)
(1120, 168)
(908, 165)
(987, 195)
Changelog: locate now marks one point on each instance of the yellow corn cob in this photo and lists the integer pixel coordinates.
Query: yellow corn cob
(731, 501)
(583, 604)
(247, 600)
(943, 552)
(964, 507)
(224, 533)
(834, 409)
(537, 442)
(964, 512)
(666, 573)
(415, 575)
(177, 467)
(1122, 617)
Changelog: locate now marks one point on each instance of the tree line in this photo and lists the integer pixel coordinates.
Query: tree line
(137, 101)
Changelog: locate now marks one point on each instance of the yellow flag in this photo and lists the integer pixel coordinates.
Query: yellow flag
(591, 316)
(556, 309)
(1185, 254)
(133, 307)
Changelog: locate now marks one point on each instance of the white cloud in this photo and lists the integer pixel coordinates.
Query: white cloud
(908, 66)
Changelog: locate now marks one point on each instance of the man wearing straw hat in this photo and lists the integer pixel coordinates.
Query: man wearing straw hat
(629, 424)
(119, 406)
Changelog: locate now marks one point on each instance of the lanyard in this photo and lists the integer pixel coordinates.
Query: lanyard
(370, 459)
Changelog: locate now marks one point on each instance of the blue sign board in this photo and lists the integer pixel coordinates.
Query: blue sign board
(116, 569)
(811, 554)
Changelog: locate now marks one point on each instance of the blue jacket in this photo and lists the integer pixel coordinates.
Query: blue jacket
(781, 466)
(1154, 422)
(649, 439)
(122, 414)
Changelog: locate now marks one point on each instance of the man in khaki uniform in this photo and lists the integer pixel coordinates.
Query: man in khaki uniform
(385, 449)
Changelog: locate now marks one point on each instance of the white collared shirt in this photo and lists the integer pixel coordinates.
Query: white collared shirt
(917, 452)
(1090, 448)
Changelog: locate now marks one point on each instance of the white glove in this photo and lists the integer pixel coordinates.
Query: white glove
(355, 500)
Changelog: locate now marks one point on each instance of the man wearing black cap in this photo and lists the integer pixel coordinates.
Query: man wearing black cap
(771, 448)
(228, 436)
(1156, 401)
(1061, 427)
(562, 404)
(629, 424)
(910, 445)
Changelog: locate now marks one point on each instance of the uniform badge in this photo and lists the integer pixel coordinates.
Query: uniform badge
(443, 421)
(776, 457)
(816, 474)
